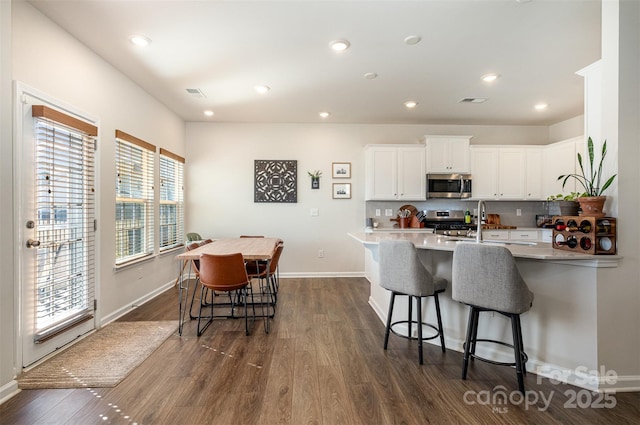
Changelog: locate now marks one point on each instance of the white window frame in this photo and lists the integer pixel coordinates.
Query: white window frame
(139, 175)
(171, 228)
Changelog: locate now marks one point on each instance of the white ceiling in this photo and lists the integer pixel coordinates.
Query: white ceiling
(225, 48)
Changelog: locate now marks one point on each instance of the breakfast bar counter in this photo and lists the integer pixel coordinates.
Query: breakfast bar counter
(519, 249)
(560, 330)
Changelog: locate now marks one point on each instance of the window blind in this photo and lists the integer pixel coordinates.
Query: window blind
(65, 211)
(171, 200)
(134, 198)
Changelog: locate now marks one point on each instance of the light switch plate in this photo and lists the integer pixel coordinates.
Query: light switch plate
(377, 212)
(388, 212)
(314, 212)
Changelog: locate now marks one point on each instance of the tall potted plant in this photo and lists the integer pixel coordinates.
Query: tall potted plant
(592, 199)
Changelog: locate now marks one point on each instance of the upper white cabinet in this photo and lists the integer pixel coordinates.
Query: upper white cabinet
(395, 172)
(561, 158)
(448, 154)
(533, 170)
(484, 172)
(506, 172)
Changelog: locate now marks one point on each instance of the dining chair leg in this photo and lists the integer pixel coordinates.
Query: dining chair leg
(203, 295)
(246, 314)
(193, 296)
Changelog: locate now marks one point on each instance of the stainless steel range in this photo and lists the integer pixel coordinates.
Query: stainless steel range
(447, 222)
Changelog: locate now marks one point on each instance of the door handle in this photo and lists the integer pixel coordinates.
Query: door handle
(32, 243)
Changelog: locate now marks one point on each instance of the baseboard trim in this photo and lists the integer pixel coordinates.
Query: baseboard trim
(8, 390)
(302, 275)
(137, 303)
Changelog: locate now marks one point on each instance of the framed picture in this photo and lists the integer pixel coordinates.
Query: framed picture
(342, 191)
(341, 170)
(275, 181)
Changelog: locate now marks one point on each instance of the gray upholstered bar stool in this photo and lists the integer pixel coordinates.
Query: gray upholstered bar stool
(486, 278)
(402, 273)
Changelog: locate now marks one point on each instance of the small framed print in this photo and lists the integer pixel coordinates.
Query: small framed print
(342, 191)
(341, 170)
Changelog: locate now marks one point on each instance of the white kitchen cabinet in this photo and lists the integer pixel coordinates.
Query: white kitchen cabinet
(533, 173)
(506, 172)
(546, 235)
(511, 173)
(524, 235)
(448, 154)
(495, 235)
(561, 158)
(395, 172)
(484, 172)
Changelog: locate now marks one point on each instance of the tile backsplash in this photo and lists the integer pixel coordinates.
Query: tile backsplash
(506, 209)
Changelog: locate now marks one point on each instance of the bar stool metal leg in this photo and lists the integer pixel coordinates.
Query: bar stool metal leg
(419, 325)
(387, 330)
(440, 330)
(517, 350)
(468, 341)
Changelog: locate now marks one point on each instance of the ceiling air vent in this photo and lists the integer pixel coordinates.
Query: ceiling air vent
(473, 100)
(196, 93)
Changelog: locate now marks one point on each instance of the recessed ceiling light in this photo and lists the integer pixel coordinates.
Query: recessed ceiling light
(324, 114)
(262, 89)
(490, 78)
(140, 40)
(412, 39)
(541, 106)
(370, 75)
(208, 113)
(411, 104)
(339, 45)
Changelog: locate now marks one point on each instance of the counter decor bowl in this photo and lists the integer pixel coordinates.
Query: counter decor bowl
(592, 199)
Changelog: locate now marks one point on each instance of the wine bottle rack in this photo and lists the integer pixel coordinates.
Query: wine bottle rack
(583, 234)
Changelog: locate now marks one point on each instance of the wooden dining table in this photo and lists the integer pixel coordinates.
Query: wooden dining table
(252, 249)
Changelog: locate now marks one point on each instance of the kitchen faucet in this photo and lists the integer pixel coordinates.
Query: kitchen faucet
(480, 214)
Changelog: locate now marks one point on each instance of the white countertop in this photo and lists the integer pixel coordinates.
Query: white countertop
(531, 250)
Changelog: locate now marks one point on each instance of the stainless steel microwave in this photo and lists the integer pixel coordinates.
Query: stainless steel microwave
(454, 186)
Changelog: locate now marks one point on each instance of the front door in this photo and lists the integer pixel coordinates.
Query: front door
(57, 227)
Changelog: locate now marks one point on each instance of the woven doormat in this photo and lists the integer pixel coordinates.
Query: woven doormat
(103, 359)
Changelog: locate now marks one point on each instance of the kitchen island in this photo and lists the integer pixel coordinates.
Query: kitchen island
(560, 330)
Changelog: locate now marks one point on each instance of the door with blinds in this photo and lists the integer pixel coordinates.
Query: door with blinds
(57, 218)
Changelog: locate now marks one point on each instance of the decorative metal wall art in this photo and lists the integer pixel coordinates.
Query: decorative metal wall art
(275, 181)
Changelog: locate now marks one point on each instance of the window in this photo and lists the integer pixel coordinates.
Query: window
(134, 197)
(65, 205)
(171, 200)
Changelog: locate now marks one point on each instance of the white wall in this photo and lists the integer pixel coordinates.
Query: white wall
(7, 313)
(220, 183)
(50, 60)
(619, 288)
(568, 129)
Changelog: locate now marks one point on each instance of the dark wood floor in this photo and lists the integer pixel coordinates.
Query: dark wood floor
(322, 363)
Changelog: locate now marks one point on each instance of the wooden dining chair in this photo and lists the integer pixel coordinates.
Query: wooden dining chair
(224, 273)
